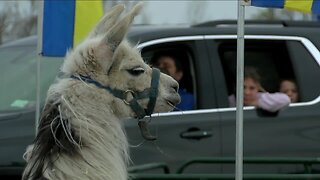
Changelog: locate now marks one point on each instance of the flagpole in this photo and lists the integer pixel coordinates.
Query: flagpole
(38, 71)
(239, 100)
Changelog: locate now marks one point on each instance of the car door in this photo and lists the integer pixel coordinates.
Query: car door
(291, 132)
(18, 99)
(181, 135)
(16, 103)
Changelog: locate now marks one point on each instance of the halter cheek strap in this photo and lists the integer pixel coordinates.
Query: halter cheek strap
(153, 93)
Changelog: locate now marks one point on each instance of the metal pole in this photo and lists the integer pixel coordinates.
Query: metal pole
(37, 94)
(39, 51)
(240, 74)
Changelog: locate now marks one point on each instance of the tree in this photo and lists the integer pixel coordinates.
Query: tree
(3, 24)
(7, 17)
(27, 25)
(16, 22)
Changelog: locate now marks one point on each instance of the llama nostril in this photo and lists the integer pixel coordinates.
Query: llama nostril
(176, 87)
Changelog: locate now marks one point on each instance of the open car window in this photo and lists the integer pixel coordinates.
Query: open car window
(271, 58)
(184, 57)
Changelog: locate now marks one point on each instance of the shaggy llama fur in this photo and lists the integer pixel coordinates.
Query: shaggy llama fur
(80, 133)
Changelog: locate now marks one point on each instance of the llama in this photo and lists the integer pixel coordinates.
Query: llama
(80, 134)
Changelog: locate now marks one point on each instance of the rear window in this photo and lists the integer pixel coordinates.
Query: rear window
(275, 61)
(270, 58)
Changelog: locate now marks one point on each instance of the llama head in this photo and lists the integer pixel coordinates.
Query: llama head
(108, 58)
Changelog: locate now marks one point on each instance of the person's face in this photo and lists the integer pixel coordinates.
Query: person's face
(290, 89)
(251, 89)
(167, 65)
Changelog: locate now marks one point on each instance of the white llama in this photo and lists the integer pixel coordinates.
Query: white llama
(80, 133)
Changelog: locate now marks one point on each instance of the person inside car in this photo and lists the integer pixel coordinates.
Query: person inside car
(289, 87)
(170, 65)
(255, 95)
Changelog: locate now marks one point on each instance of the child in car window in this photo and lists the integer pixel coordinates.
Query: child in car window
(289, 87)
(168, 64)
(255, 95)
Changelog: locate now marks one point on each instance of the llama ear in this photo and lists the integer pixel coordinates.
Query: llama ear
(117, 33)
(107, 21)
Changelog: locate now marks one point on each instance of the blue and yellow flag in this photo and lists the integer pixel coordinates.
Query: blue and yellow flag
(66, 22)
(306, 6)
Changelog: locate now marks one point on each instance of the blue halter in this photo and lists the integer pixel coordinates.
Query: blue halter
(150, 93)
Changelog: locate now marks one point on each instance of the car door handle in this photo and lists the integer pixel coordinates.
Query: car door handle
(196, 134)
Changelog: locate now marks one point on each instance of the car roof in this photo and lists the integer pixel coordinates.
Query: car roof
(228, 27)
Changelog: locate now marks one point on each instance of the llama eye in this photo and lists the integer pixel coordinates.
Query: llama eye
(136, 71)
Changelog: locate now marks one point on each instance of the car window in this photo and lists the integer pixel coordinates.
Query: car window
(18, 76)
(307, 68)
(184, 56)
(271, 58)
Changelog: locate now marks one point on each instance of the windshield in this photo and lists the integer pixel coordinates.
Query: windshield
(18, 76)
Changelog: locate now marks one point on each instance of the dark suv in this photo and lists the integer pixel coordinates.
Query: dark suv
(279, 50)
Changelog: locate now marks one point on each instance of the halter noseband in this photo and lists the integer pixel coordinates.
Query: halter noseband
(150, 93)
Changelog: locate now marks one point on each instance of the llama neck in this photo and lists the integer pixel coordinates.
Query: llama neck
(103, 155)
(103, 152)
(99, 158)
